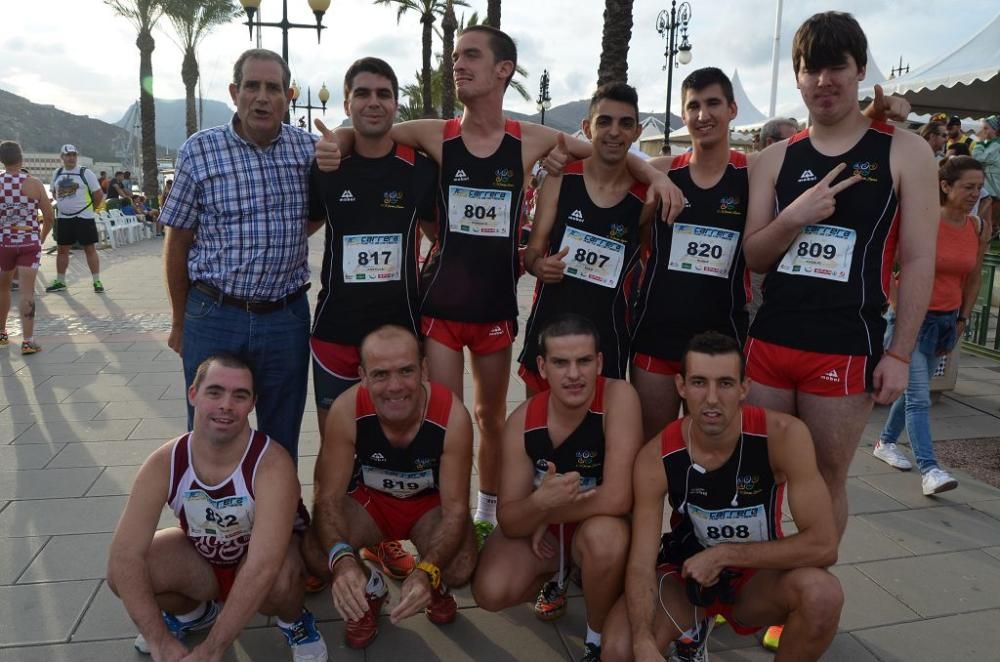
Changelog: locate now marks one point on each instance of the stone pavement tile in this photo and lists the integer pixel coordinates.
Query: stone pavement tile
(993, 551)
(150, 378)
(982, 373)
(861, 542)
(99, 651)
(10, 431)
(958, 637)
(940, 584)
(96, 355)
(175, 391)
(81, 381)
(42, 613)
(46, 483)
(22, 394)
(845, 648)
(16, 554)
(991, 507)
(308, 443)
(114, 480)
(967, 427)
(67, 558)
(58, 432)
(863, 498)
(138, 366)
(149, 346)
(39, 371)
(864, 463)
(904, 487)
(976, 388)
(80, 411)
(866, 604)
(105, 453)
(931, 530)
(153, 409)
(305, 469)
(160, 428)
(266, 644)
(130, 394)
(19, 458)
(47, 517)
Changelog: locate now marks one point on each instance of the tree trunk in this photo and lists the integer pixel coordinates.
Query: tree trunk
(614, 43)
(189, 74)
(147, 111)
(448, 26)
(493, 13)
(428, 21)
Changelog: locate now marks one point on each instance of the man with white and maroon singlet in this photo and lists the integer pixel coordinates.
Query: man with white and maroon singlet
(469, 290)
(584, 244)
(565, 486)
(831, 210)
(395, 464)
(373, 206)
(724, 469)
(236, 494)
(21, 198)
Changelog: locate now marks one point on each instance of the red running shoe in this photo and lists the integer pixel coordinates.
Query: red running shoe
(443, 607)
(391, 557)
(360, 633)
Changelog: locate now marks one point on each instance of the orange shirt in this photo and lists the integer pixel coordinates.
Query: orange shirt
(957, 251)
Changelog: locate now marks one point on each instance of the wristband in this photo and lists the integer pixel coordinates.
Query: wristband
(433, 572)
(338, 552)
(896, 356)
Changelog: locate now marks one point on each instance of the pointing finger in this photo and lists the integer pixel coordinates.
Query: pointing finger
(879, 100)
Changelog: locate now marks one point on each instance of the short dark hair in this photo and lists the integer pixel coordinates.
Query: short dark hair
(713, 343)
(370, 65)
(951, 169)
(699, 79)
(930, 129)
(824, 38)
(954, 120)
(392, 329)
(501, 44)
(226, 360)
(10, 153)
(569, 324)
(261, 54)
(960, 149)
(615, 91)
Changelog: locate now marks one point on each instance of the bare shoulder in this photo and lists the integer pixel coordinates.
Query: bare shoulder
(619, 392)
(907, 146)
(786, 428)
(276, 463)
(769, 160)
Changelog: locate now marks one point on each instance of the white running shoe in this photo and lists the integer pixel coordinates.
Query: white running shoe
(891, 455)
(936, 481)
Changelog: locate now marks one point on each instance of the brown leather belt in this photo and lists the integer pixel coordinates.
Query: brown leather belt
(250, 306)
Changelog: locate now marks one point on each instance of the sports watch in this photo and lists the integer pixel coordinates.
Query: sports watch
(432, 571)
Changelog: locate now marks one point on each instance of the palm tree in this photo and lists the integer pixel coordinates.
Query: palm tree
(449, 24)
(614, 42)
(429, 10)
(193, 20)
(493, 13)
(143, 15)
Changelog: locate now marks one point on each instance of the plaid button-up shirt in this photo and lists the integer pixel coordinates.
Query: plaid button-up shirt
(248, 206)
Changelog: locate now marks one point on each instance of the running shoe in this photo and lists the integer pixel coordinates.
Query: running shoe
(720, 619)
(98, 287)
(393, 559)
(772, 637)
(936, 481)
(305, 640)
(56, 286)
(4, 339)
(891, 455)
(30, 347)
(591, 653)
(180, 629)
(443, 608)
(551, 601)
(692, 645)
(483, 529)
(360, 633)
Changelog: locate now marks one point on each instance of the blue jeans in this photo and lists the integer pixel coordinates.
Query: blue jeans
(276, 343)
(912, 409)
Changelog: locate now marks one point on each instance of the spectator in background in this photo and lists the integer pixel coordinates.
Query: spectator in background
(117, 191)
(777, 129)
(127, 183)
(936, 136)
(957, 149)
(955, 134)
(103, 181)
(987, 152)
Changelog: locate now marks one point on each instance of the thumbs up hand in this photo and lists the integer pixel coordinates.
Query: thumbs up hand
(327, 152)
(557, 158)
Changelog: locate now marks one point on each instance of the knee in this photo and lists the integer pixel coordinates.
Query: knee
(492, 592)
(819, 598)
(603, 542)
(615, 648)
(489, 415)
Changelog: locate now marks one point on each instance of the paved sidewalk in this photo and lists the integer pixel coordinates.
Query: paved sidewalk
(922, 575)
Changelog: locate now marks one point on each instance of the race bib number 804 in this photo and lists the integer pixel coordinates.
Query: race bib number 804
(821, 251)
(484, 212)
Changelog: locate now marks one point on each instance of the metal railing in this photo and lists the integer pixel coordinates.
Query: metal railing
(981, 336)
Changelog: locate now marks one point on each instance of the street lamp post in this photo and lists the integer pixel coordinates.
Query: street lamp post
(324, 96)
(318, 7)
(667, 24)
(544, 101)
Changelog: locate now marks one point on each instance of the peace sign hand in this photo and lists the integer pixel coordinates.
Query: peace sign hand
(820, 201)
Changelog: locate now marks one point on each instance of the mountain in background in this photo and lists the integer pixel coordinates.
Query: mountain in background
(171, 131)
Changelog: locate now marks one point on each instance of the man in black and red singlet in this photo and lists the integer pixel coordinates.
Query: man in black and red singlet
(469, 289)
(694, 277)
(584, 243)
(236, 495)
(565, 486)
(725, 468)
(831, 210)
(373, 205)
(395, 464)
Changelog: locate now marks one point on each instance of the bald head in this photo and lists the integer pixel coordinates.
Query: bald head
(389, 338)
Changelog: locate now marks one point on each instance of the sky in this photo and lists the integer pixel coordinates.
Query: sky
(80, 57)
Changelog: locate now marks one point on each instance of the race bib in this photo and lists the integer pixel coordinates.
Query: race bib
(372, 258)
(703, 250)
(821, 251)
(226, 519)
(477, 211)
(592, 258)
(586, 482)
(400, 484)
(729, 524)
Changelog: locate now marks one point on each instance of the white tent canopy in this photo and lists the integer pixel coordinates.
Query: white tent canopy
(747, 113)
(965, 82)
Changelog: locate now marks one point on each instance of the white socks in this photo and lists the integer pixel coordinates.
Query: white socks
(486, 510)
(593, 637)
(192, 615)
(376, 584)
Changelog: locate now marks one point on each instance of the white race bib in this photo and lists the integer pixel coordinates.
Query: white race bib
(586, 482)
(729, 524)
(477, 211)
(400, 484)
(372, 258)
(592, 258)
(226, 519)
(821, 251)
(703, 250)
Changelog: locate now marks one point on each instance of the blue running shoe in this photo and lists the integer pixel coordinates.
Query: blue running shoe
(305, 640)
(180, 629)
